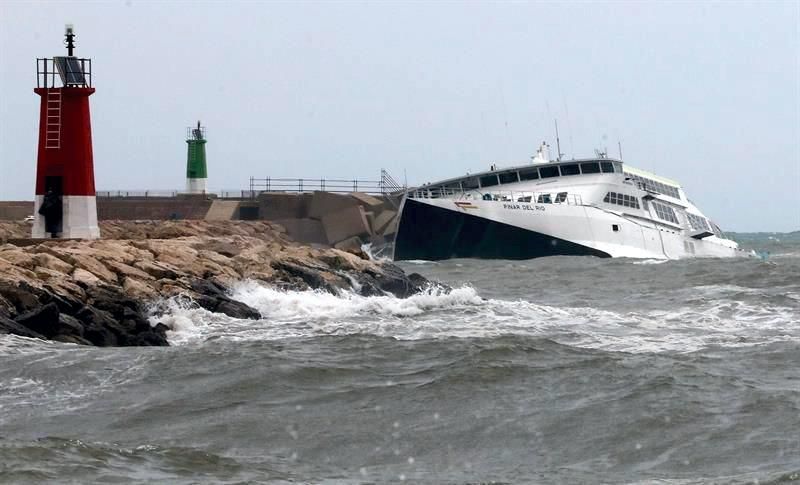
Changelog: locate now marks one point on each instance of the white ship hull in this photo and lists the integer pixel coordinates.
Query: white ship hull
(515, 221)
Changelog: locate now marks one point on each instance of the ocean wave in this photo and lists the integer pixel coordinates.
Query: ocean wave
(463, 313)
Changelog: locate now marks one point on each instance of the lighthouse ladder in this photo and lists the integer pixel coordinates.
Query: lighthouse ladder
(53, 120)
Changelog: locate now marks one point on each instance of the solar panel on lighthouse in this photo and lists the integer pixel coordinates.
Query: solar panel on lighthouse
(70, 71)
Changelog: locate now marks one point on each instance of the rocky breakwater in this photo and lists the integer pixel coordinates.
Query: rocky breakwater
(106, 292)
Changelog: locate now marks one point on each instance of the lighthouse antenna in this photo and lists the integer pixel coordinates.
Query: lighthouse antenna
(70, 38)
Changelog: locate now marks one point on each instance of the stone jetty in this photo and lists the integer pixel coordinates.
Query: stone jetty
(100, 292)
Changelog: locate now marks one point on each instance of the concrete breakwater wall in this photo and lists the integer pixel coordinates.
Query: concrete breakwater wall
(340, 220)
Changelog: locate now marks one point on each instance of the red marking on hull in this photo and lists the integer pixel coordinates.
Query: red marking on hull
(73, 160)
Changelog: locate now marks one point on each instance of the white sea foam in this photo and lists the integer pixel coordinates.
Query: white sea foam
(650, 261)
(462, 313)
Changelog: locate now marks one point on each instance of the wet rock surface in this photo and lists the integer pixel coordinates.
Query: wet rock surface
(98, 292)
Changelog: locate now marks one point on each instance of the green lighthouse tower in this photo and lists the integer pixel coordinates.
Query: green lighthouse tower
(196, 171)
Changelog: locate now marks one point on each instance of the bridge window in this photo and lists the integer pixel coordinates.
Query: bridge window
(529, 174)
(508, 178)
(570, 169)
(470, 183)
(607, 167)
(548, 172)
(591, 167)
(489, 180)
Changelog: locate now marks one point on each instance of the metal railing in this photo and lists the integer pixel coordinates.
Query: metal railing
(497, 196)
(386, 185)
(47, 73)
(152, 194)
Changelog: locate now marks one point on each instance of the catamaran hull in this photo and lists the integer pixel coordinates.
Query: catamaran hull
(436, 229)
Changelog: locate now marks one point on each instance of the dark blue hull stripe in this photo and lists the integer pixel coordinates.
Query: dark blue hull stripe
(432, 233)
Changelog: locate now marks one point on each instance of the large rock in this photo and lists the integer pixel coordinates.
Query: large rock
(21, 295)
(311, 277)
(50, 262)
(308, 231)
(213, 297)
(84, 277)
(392, 279)
(157, 269)
(10, 326)
(42, 320)
(98, 326)
(68, 325)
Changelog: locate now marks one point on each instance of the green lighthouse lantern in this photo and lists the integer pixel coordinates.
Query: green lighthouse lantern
(196, 170)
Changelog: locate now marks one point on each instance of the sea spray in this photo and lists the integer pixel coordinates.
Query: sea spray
(462, 313)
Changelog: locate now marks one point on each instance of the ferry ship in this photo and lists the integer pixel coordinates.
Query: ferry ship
(596, 206)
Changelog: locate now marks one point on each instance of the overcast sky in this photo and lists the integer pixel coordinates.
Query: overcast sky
(705, 93)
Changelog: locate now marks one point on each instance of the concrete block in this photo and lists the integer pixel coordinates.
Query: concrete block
(282, 205)
(222, 210)
(383, 220)
(327, 202)
(369, 202)
(304, 230)
(370, 221)
(391, 228)
(345, 223)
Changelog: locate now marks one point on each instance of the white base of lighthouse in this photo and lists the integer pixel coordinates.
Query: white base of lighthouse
(196, 186)
(79, 221)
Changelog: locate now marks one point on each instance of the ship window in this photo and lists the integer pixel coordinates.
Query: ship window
(697, 223)
(607, 167)
(665, 212)
(591, 167)
(470, 183)
(547, 172)
(544, 199)
(561, 197)
(570, 169)
(525, 198)
(487, 196)
(529, 174)
(653, 186)
(508, 178)
(615, 227)
(489, 180)
(622, 199)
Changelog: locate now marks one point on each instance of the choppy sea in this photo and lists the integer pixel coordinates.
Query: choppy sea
(555, 370)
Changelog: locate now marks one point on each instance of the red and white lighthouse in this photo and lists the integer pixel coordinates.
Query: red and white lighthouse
(65, 206)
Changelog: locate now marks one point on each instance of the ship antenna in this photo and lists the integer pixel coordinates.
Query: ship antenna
(558, 143)
(619, 145)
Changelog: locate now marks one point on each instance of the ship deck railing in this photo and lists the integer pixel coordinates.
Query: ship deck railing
(518, 196)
